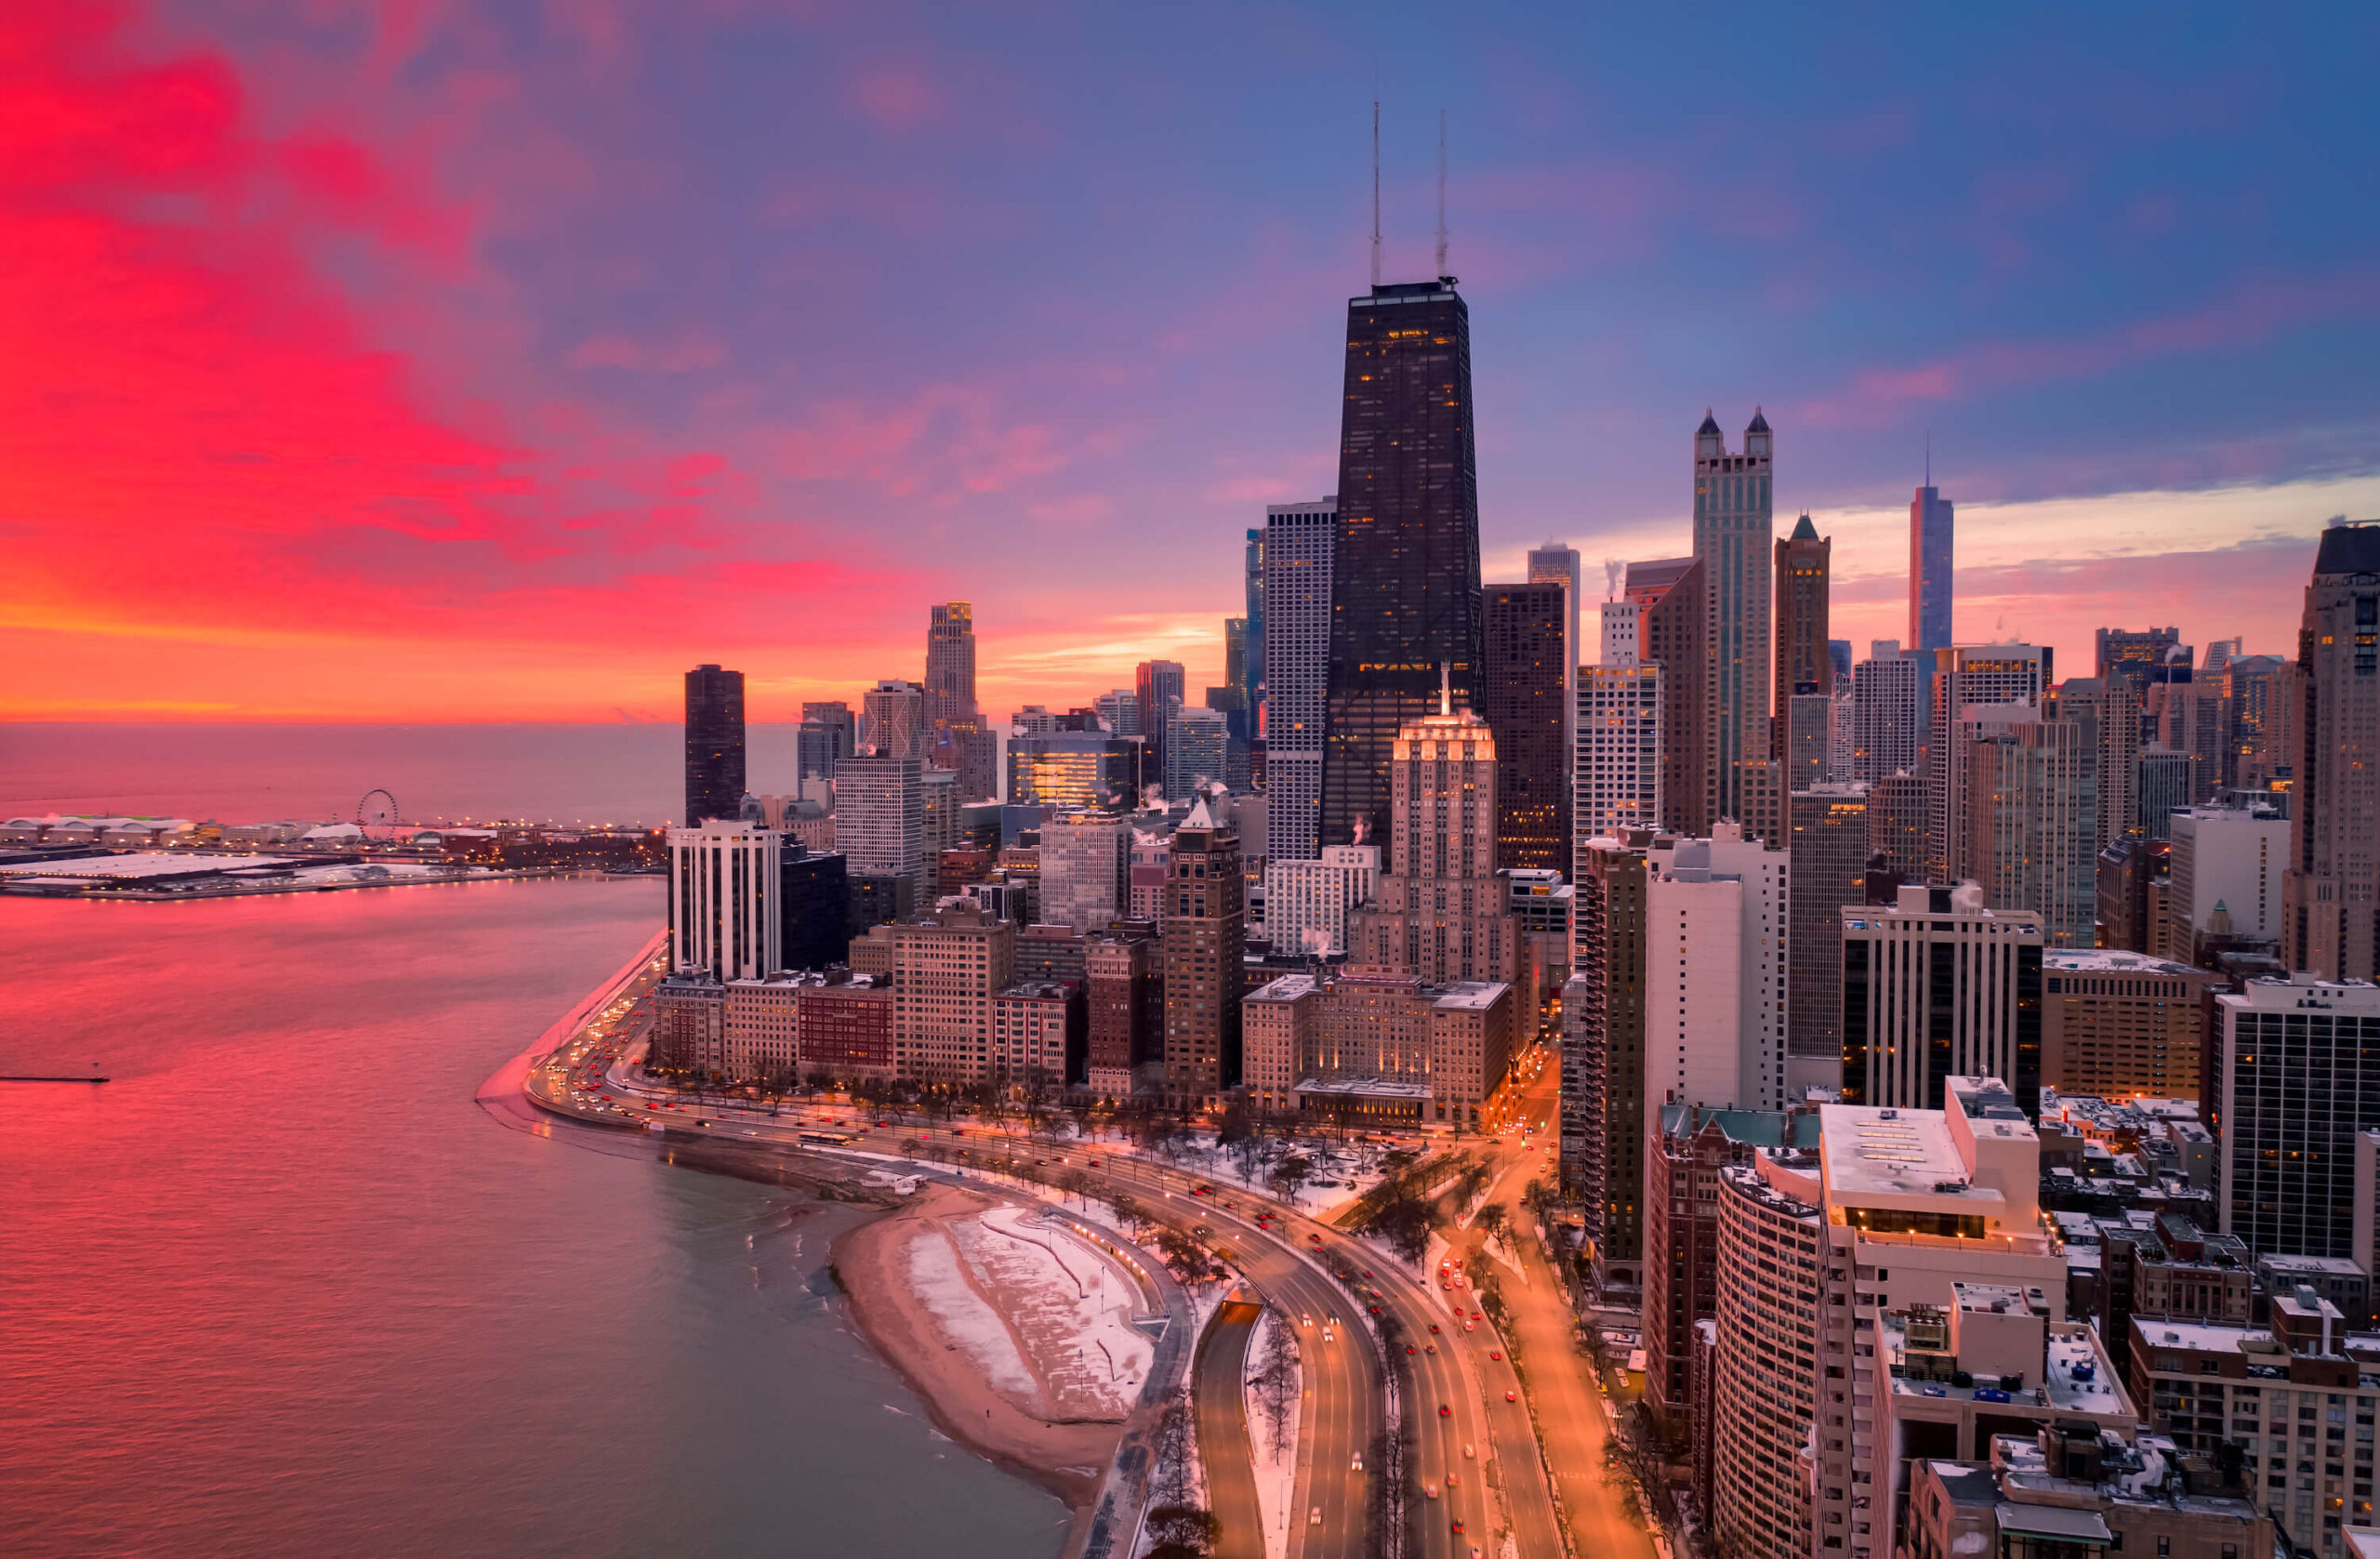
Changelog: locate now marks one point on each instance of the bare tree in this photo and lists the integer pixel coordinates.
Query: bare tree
(1170, 1474)
(1275, 1379)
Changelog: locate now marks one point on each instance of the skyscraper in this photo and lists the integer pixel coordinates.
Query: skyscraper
(828, 735)
(1603, 1056)
(1438, 912)
(1732, 540)
(1936, 985)
(1887, 711)
(1253, 654)
(1673, 634)
(1805, 661)
(1083, 869)
(725, 877)
(1716, 934)
(1555, 564)
(2132, 654)
(2330, 897)
(1297, 545)
(1526, 636)
(950, 667)
(1195, 742)
(880, 817)
(2032, 811)
(1205, 934)
(1929, 570)
(1405, 569)
(1965, 675)
(1617, 761)
(1158, 684)
(714, 745)
(894, 713)
(2296, 1077)
(1826, 845)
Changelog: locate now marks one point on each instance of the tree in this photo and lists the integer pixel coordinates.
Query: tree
(1275, 1379)
(1491, 1219)
(1169, 1471)
(1181, 1532)
(1291, 1172)
(1183, 1251)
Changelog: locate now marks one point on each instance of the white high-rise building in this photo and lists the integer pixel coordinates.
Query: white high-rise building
(725, 918)
(2030, 815)
(879, 817)
(1306, 902)
(1917, 1204)
(2229, 858)
(1616, 775)
(1298, 546)
(1887, 715)
(1121, 709)
(893, 716)
(1735, 541)
(1715, 935)
(1083, 870)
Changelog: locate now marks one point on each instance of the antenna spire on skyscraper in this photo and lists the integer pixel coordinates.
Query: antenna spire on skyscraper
(1375, 192)
(1442, 194)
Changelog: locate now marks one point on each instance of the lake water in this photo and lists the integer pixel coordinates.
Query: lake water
(283, 1289)
(246, 774)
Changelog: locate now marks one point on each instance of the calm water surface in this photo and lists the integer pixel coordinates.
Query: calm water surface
(246, 774)
(283, 1288)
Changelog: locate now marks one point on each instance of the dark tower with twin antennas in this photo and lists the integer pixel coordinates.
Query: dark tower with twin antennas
(1405, 569)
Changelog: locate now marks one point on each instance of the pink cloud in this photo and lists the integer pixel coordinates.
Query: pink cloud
(675, 355)
(896, 96)
(2253, 313)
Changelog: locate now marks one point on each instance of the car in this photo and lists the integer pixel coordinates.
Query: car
(1511, 1396)
(1327, 1337)
(1444, 1411)
(1313, 1516)
(1450, 1480)
(1458, 1526)
(1375, 1308)
(1433, 1347)
(1498, 1357)
(1314, 1239)
(1431, 1489)
(1358, 1465)
(1367, 1274)
(1307, 1320)
(1469, 1452)
(1470, 1325)
(1434, 1326)
(1409, 1348)
(1204, 1191)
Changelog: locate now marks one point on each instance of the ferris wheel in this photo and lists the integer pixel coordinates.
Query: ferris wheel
(379, 808)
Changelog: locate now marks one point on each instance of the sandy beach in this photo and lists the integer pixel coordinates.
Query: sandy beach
(1015, 1342)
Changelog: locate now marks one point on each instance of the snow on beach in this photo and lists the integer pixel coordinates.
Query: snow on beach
(1046, 1318)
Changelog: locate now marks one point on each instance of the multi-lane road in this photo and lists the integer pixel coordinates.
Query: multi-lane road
(1474, 1477)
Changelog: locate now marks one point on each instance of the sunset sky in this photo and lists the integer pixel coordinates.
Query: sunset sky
(469, 361)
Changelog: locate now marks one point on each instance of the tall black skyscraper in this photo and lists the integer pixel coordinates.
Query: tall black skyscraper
(1404, 569)
(714, 744)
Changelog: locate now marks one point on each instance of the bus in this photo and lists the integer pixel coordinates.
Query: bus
(828, 1139)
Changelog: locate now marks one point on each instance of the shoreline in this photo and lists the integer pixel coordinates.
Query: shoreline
(1068, 1457)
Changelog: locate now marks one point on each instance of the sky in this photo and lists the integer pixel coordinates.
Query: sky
(432, 361)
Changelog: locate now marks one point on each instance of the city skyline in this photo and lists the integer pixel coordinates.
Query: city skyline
(2133, 398)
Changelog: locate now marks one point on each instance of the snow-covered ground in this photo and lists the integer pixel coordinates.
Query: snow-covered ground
(939, 1278)
(1276, 1470)
(142, 863)
(1072, 1308)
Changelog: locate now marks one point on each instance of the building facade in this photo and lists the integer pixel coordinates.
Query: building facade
(950, 667)
(714, 745)
(892, 714)
(2330, 897)
(724, 919)
(1931, 551)
(1673, 633)
(1306, 903)
(2296, 1079)
(880, 818)
(1826, 850)
(1525, 631)
(1805, 664)
(1603, 1055)
(1732, 540)
(1887, 715)
(1083, 872)
(1715, 964)
(1299, 541)
(1205, 934)
(1617, 759)
(1438, 913)
(2117, 1023)
(1936, 985)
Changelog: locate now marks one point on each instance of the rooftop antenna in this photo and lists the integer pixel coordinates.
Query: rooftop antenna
(1442, 194)
(1446, 689)
(1375, 194)
(1929, 457)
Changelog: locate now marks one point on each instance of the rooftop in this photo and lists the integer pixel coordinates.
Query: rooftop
(2109, 960)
